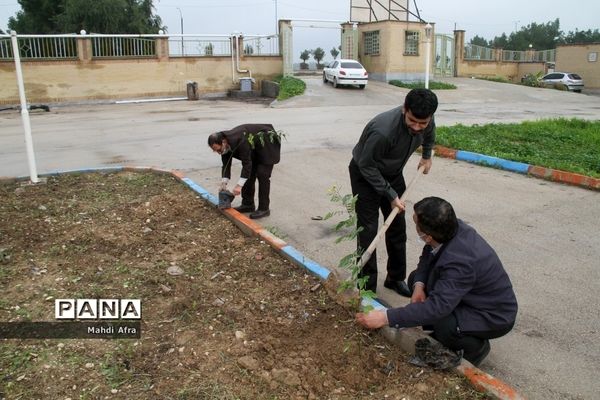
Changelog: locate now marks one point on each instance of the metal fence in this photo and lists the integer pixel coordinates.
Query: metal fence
(196, 46)
(513, 55)
(116, 46)
(41, 47)
(261, 45)
(44, 47)
(474, 52)
(545, 55)
(201, 45)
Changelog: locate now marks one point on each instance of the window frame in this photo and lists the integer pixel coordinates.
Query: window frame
(371, 43)
(411, 42)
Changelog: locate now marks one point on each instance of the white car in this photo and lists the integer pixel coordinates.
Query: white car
(571, 81)
(346, 72)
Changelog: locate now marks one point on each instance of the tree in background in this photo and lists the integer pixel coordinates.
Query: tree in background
(578, 36)
(304, 56)
(318, 55)
(540, 36)
(479, 41)
(248, 49)
(334, 53)
(94, 16)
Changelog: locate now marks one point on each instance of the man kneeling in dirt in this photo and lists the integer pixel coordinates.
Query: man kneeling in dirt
(460, 289)
(258, 146)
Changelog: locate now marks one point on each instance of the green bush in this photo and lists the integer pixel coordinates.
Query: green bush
(533, 80)
(421, 85)
(289, 87)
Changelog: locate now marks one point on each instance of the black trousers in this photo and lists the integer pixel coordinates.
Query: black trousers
(447, 332)
(262, 172)
(368, 204)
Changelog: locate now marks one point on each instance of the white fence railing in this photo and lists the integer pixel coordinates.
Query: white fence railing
(261, 45)
(198, 46)
(45, 47)
(41, 47)
(115, 46)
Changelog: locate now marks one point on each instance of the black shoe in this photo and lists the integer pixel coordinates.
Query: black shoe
(399, 287)
(244, 208)
(476, 359)
(260, 213)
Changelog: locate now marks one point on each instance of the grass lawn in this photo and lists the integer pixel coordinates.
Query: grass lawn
(571, 145)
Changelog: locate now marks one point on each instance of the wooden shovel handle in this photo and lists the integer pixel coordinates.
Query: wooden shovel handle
(388, 221)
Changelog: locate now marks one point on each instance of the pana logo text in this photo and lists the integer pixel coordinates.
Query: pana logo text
(97, 309)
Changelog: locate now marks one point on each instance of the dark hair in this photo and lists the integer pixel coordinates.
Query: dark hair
(436, 218)
(216, 138)
(421, 102)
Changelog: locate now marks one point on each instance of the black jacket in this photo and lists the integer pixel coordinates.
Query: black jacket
(385, 147)
(265, 151)
(466, 278)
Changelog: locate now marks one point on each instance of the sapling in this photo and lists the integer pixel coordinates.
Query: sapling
(348, 230)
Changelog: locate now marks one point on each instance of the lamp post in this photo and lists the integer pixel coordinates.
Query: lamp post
(181, 21)
(428, 31)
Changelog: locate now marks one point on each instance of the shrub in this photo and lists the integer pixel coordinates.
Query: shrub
(289, 87)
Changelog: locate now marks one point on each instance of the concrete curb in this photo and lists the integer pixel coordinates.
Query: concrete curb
(405, 338)
(554, 175)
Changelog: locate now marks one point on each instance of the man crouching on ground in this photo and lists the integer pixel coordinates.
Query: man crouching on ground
(460, 289)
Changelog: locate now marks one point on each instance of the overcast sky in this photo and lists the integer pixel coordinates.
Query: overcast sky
(476, 17)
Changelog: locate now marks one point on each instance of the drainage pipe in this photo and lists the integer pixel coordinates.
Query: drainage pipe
(237, 57)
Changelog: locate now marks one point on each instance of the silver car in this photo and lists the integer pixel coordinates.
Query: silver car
(573, 82)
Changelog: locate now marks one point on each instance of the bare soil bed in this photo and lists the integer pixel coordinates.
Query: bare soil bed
(239, 321)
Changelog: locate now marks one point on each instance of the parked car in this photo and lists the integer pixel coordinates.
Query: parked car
(346, 72)
(572, 82)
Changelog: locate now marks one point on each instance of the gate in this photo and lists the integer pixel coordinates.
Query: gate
(444, 55)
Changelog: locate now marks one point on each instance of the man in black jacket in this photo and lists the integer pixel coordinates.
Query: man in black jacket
(378, 159)
(258, 147)
(460, 288)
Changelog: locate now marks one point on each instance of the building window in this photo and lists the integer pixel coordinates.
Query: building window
(371, 42)
(411, 43)
(593, 56)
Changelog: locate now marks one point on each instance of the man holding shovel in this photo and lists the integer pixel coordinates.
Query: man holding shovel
(258, 147)
(461, 290)
(378, 159)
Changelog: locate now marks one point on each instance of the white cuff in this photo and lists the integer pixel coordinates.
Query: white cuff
(225, 180)
(242, 181)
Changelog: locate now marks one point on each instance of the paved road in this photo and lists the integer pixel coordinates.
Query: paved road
(545, 233)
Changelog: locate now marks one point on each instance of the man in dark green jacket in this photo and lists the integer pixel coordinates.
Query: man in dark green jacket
(378, 159)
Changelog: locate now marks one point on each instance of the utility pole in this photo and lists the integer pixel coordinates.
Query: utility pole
(276, 22)
(181, 20)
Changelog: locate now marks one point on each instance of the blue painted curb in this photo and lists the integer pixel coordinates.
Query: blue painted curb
(201, 191)
(476, 158)
(309, 264)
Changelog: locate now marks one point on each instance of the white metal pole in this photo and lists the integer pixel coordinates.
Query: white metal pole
(427, 53)
(181, 21)
(24, 111)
